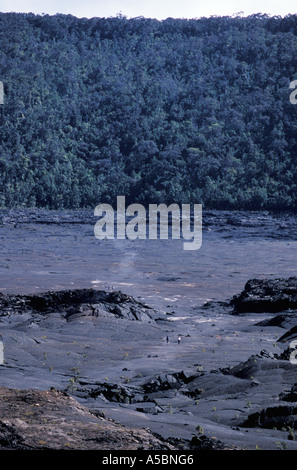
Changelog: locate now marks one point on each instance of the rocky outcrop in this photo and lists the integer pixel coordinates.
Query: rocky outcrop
(278, 417)
(290, 395)
(86, 302)
(160, 386)
(117, 375)
(52, 420)
(266, 295)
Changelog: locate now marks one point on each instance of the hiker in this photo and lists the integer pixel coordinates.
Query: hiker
(178, 339)
(167, 339)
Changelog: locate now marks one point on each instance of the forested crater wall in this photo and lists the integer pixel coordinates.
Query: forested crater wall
(184, 111)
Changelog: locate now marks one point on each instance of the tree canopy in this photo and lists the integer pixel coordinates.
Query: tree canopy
(185, 111)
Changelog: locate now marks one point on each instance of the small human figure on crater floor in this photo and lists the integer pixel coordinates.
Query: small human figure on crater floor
(179, 340)
(167, 339)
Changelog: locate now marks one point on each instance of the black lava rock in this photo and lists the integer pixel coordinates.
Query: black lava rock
(266, 295)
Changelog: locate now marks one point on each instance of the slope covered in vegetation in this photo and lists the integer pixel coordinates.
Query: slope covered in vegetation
(159, 111)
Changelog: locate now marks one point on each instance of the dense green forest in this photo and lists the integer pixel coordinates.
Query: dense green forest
(185, 111)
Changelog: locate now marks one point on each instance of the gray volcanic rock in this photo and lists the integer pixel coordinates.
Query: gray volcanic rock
(110, 353)
(278, 417)
(290, 395)
(52, 420)
(289, 335)
(283, 320)
(87, 302)
(266, 295)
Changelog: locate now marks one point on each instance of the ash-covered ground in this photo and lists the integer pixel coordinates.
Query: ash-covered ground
(101, 321)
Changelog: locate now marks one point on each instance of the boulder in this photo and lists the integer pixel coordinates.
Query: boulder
(290, 395)
(266, 295)
(278, 417)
